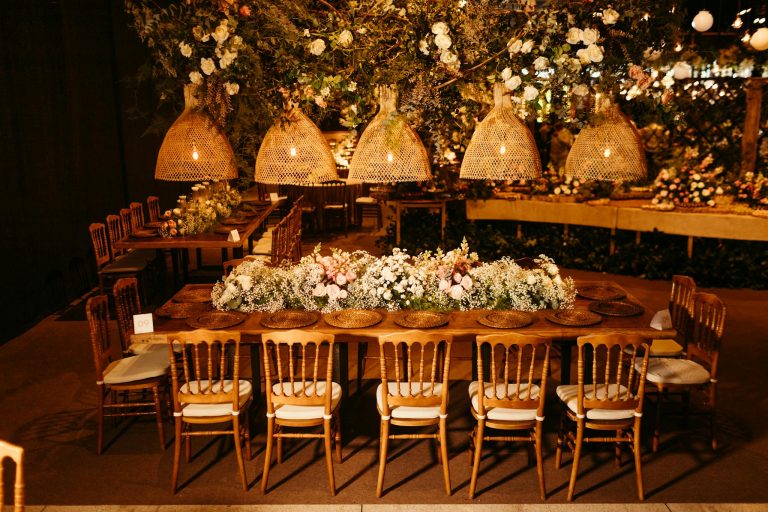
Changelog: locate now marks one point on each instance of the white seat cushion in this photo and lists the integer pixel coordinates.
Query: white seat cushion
(411, 412)
(263, 246)
(263, 258)
(366, 200)
(143, 348)
(305, 412)
(144, 366)
(569, 395)
(504, 413)
(662, 370)
(222, 409)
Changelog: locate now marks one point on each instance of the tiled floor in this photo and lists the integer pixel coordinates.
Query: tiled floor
(585, 507)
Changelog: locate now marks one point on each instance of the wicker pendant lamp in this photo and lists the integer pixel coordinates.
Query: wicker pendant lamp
(195, 148)
(611, 150)
(502, 147)
(295, 153)
(389, 150)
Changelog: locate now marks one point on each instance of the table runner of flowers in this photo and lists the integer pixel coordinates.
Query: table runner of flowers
(453, 280)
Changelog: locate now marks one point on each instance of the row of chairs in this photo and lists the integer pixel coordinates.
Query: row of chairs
(512, 373)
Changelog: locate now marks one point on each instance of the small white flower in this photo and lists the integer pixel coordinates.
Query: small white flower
(530, 93)
(424, 47)
(668, 81)
(177, 211)
(207, 65)
(466, 282)
(719, 191)
(531, 280)
(506, 74)
(513, 83)
(664, 193)
(557, 191)
(352, 87)
(320, 101)
(450, 59)
(317, 47)
(456, 292)
(516, 46)
(341, 279)
(443, 41)
(232, 88)
(574, 35)
(387, 295)
(541, 63)
(527, 46)
(589, 36)
(306, 32)
(610, 16)
(706, 192)
(221, 33)
(443, 285)
(246, 282)
(186, 50)
(581, 90)
(711, 202)
(227, 58)
(440, 28)
(594, 53)
(583, 56)
(325, 91)
(196, 78)
(345, 38)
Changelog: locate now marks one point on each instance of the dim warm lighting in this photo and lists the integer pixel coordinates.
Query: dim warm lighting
(703, 21)
(646, 16)
(502, 149)
(195, 154)
(292, 152)
(746, 37)
(678, 47)
(390, 158)
(607, 152)
(759, 39)
(737, 23)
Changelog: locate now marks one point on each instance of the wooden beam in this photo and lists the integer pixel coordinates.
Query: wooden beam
(751, 125)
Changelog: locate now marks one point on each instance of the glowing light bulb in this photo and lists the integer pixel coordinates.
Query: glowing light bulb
(390, 158)
(646, 16)
(292, 152)
(195, 154)
(702, 21)
(737, 23)
(607, 152)
(678, 47)
(746, 38)
(502, 149)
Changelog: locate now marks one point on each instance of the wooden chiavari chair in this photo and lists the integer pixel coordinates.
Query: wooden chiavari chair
(416, 394)
(512, 397)
(153, 207)
(125, 215)
(124, 382)
(612, 402)
(680, 304)
(301, 393)
(128, 303)
(208, 390)
(696, 372)
(334, 200)
(16, 454)
(137, 216)
(106, 267)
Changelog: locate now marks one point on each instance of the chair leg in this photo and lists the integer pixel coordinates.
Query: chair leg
(337, 439)
(100, 415)
(713, 428)
(362, 352)
(247, 434)
(638, 457)
(187, 446)
(383, 441)
(239, 451)
(444, 452)
(576, 457)
(159, 416)
(560, 441)
(176, 454)
(540, 460)
(278, 430)
(617, 450)
(657, 423)
(327, 438)
(268, 454)
(478, 448)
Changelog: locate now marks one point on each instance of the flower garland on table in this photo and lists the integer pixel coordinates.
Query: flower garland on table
(440, 281)
(197, 216)
(690, 185)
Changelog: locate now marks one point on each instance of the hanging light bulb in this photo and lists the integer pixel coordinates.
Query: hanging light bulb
(503, 149)
(759, 39)
(607, 153)
(390, 158)
(292, 152)
(679, 47)
(703, 21)
(646, 16)
(737, 23)
(746, 37)
(195, 154)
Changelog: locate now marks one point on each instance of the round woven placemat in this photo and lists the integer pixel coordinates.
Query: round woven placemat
(290, 319)
(506, 319)
(574, 317)
(600, 292)
(616, 308)
(193, 295)
(353, 318)
(181, 309)
(145, 233)
(216, 319)
(234, 221)
(421, 319)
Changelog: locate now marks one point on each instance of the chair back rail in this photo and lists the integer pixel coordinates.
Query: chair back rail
(616, 384)
(420, 361)
(153, 207)
(708, 322)
(137, 216)
(115, 232)
(97, 313)
(517, 363)
(299, 361)
(127, 304)
(681, 304)
(100, 246)
(125, 215)
(16, 454)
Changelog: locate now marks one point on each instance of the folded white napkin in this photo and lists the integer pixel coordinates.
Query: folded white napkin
(661, 320)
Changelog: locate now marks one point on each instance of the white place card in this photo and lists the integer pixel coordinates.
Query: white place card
(234, 236)
(143, 323)
(661, 320)
(273, 197)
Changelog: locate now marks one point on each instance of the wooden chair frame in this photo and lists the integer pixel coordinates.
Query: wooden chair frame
(207, 359)
(137, 216)
(524, 362)
(125, 215)
(297, 348)
(16, 454)
(127, 304)
(415, 379)
(109, 395)
(334, 200)
(618, 369)
(106, 267)
(153, 207)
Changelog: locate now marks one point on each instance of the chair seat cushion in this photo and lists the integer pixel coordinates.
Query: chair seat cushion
(334, 206)
(569, 395)
(144, 348)
(366, 200)
(662, 370)
(665, 347)
(263, 246)
(123, 265)
(305, 412)
(504, 413)
(140, 367)
(223, 409)
(411, 412)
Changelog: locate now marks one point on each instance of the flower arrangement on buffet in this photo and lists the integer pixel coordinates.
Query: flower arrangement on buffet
(199, 214)
(692, 184)
(437, 281)
(752, 189)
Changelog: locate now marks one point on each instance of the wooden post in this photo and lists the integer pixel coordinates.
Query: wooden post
(690, 247)
(751, 124)
(612, 246)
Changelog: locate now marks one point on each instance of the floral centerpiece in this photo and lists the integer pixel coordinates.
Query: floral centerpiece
(197, 216)
(251, 286)
(391, 282)
(752, 189)
(693, 184)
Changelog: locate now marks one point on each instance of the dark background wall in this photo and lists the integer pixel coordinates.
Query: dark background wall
(69, 153)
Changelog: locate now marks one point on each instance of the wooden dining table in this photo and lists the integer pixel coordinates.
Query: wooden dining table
(462, 325)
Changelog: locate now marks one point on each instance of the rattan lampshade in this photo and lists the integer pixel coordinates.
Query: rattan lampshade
(502, 147)
(389, 150)
(195, 148)
(611, 150)
(295, 153)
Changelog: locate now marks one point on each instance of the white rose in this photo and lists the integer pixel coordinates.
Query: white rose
(583, 56)
(232, 88)
(221, 33)
(186, 50)
(506, 74)
(466, 282)
(341, 279)
(711, 202)
(516, 46)
(387, 295)
(581, 90)
(444, 285)
(530, 93)
(531, 279)
(610, 17)
(513, 83)
(246, 282)
(557, 190)
(589, 36)
(527, 47)
(317, 47)
(443, 41)
(456, 291)
(541, 63)
(196, 78)
(440, 28)
(450, 59)
(177, 211)
(424, 47)
(719, 191)
(664, 193)
(207, 65)
(706, 192)
(594, 53)
(456, 278)
(227, 58)
(333, 291)
(345, 38)
(574, 35)
(343, 294)
(668, 81)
